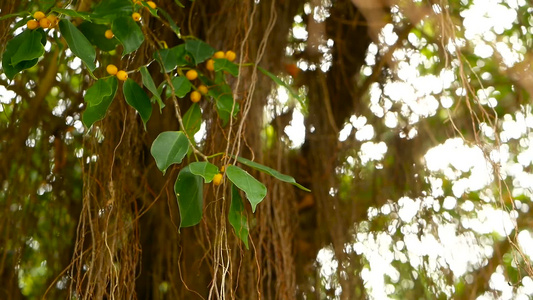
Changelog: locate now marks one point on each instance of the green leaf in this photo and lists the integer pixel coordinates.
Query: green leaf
(72, 13)
(224, 105)
(98, 91)
(255, 190)
(181, 85)
(183, 57)
(19, 14)
(189, 191)
(170, 147)
(98, 111)
(283, 84)
(78, 43)
(137, 98)
(12, 48)
(95, 33)
(30, 48)
(205, 169)
(272, 172)
(111, 9)
(149, 83)
(192, 120)
(222, 64)
(128, 33)
(171, 22)
(199, 50)
(237, 216)
(167, 59)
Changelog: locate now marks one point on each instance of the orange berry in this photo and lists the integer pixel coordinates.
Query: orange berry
(122, 75)
(218, 54)
(45, 23)
(39, 15)
(53, 20)
(32, 24)
(210, 65)
(136, 16)
(217, 179)
(112, 70)
(202, 89)
(109, 34)
(151, 4)
(230, 55)
(191, 74)
(195, 96)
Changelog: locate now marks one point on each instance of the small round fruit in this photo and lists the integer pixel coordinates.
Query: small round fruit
(32, 24)
(202, 89)
(53, 20)
(45, 23)
(109, 34)
(230, 55)
(113, 70)
(191, 74)
(195, 96)
(151, 4)
(136, 16)
(218, 54)
(122, 75)
(217, 180)
(39, 15)
(210, 65)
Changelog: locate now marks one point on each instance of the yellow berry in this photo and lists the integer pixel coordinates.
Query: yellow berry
(218, 54)
(39, 15)
(210, 65)
(112, 70)
(53, 20)
(32, 24)
(45, 23)
(195, 96)
(202, 89)
(191, 74)
(136, 16)
(122, 75)
(217, 179)
(109, 34)
(222, 169)
(230, 55)
(151, 4)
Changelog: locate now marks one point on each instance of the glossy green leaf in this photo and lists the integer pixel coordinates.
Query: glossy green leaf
(78, 43)
(95, 33)
(237, 216)
(171, 22)
(199, 50)
(149, 83)
(111, 9)
(98, 91)
(189, 191)
(183, 57)
(11, 49)
(224, 106)
(72, 13)
(30, 48)
(255, 191)
(205, 169)
(137, 98)
(170, 147)
(222, 64)
(192, 120)
(167, 59)
(272, 172)
(128, 33)
(281, 83)
(98, 111)
(181, 85)
(19, 14)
